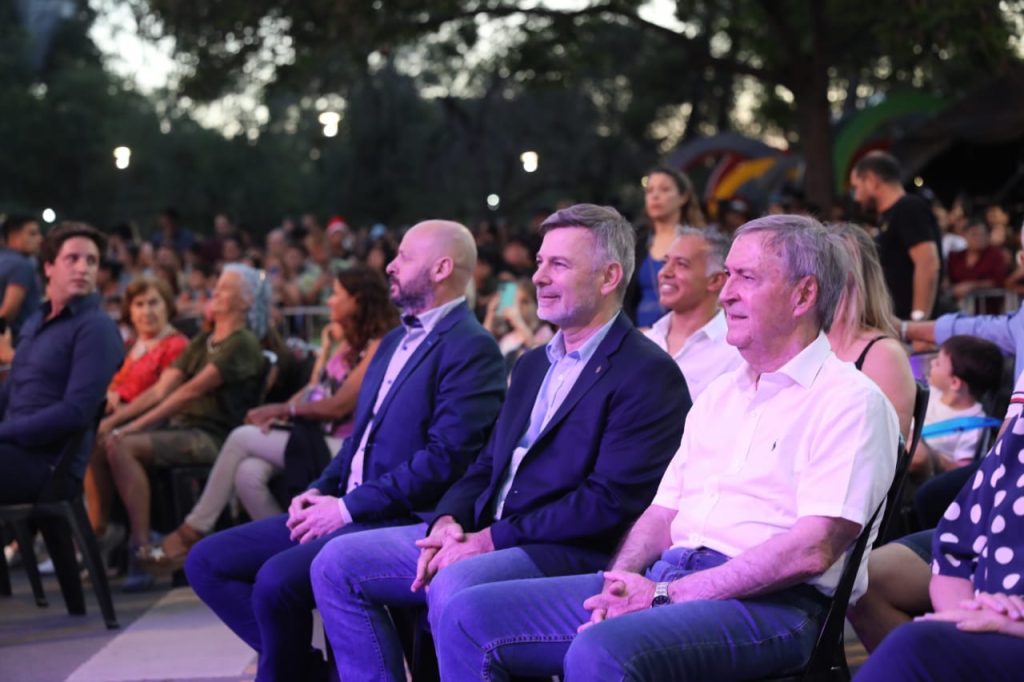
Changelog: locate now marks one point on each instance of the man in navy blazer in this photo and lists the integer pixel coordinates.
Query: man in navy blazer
(589, 425)
(426, 407)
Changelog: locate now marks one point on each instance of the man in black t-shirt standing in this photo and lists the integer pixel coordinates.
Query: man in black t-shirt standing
(908, 241)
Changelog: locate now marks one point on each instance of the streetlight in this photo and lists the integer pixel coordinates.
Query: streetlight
(48, 215)
(122, 157)
(530, 161)
(330, 120)
(493, 201)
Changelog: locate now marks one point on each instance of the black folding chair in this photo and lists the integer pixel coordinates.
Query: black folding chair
(828, 661)
(59, 513)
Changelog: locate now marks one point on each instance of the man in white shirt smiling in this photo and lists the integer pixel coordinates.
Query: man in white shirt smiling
(693, 331)
(726, 575)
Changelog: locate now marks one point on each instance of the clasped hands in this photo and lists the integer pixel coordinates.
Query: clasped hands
(623, 592)
(312, 514)
(447, 544)
(987, 612)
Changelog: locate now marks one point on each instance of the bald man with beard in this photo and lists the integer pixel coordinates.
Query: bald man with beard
(425, 409)
(591, 421)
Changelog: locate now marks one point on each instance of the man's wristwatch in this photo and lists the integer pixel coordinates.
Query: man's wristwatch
(661, 597)
(918, 315)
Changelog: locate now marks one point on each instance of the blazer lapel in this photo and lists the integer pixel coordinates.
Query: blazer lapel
(372, 382)
(442, 327)
(523, 402)
(596, 368)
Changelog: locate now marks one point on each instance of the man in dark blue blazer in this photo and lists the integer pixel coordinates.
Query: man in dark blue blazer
(590, 423)
(426, 407)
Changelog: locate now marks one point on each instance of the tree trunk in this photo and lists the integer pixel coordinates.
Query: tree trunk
(814, 127)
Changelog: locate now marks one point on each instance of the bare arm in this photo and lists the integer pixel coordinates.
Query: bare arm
(343, 401)
(947, 592)
(922, 332)
(888, 366)
(806, 550)
(926, 275)
(647, 539)
(169, 380)
(327, 341)
(206, 380)
(14, 296)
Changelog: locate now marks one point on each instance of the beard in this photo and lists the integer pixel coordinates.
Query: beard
(412, 296)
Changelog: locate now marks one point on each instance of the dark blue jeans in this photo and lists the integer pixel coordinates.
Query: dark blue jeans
(256, 579)
(356, 576)
(528, 628)
(930, 651)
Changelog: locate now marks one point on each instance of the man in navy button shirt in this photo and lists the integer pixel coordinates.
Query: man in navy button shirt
(68, 352)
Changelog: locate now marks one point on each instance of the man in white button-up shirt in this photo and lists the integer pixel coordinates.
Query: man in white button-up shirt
(590, 423)
(693, 331)
(727, 573)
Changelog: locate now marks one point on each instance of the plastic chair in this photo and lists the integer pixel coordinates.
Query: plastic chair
(59, 513)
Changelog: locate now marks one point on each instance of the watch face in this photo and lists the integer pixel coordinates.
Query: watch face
(661, 600)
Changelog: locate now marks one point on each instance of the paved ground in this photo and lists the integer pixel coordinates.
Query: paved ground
(165, 635)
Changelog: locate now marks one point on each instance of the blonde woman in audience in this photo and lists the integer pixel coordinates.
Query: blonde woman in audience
(863, 331)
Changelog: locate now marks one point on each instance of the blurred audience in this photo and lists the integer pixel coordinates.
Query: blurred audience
(186, 415)
(361, 313)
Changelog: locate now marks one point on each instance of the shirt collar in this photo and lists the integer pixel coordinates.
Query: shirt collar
(800, 369)
(555, 348)
(429, 318)
(714, 329)
(75, 305)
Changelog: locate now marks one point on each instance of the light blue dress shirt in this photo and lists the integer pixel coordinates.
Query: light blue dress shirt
(561, 376)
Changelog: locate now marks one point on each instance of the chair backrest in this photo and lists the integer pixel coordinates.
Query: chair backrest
(62, 484)
(903, 456)
(828, 650)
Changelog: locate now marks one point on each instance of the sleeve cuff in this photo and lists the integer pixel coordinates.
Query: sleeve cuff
(944, 327)
(346, 517)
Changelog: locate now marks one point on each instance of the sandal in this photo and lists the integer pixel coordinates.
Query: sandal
(170, 554)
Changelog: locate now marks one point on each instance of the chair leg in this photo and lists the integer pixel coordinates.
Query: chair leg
(424, 661)
(24, 532)
(86, 539)
(5, 578)
(57, 534)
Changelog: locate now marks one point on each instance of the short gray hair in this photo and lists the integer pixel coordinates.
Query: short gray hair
(718, 244)
(256, 290)
(613, 233)
(806, 250)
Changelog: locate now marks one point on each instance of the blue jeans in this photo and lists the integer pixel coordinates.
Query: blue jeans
(528, 628)
(256, 579)
(355, 576)
(930, 651)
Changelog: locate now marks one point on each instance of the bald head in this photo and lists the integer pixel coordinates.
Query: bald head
(434, 264)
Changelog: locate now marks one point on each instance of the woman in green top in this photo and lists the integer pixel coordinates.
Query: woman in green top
(185, 417)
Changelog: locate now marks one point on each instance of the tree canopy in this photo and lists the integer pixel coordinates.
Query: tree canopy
(800, 61)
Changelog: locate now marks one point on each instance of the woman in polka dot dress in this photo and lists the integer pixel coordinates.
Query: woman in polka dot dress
(977, 590)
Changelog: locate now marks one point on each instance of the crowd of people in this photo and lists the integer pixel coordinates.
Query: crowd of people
(583, 449)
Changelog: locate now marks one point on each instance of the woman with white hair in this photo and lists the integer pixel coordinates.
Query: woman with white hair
(185, 417)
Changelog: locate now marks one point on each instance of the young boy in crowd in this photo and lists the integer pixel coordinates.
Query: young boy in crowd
(964, 371)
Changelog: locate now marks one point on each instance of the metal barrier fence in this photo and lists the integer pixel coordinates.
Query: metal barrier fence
(977, 302)
(304, 321)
